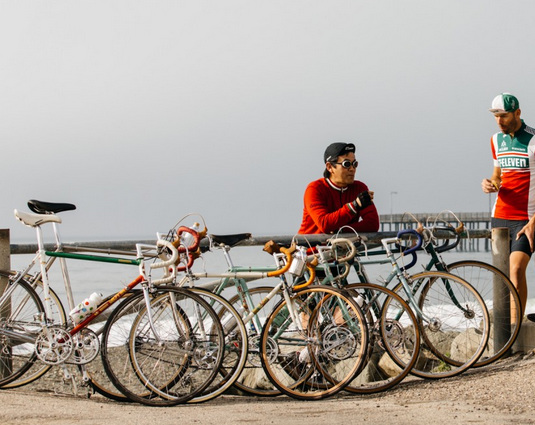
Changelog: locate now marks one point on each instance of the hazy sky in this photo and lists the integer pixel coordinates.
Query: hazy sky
(140, 112)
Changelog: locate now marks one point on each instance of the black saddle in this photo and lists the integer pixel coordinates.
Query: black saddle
(231, 240)
(40, 207)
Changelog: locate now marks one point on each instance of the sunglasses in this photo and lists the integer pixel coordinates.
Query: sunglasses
(346, 163)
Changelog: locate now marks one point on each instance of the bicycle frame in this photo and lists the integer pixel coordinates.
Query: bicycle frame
(46, 258)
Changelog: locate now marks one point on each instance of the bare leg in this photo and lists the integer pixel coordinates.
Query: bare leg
(518, 263)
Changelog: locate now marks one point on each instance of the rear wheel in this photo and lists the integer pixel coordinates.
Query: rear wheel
(19, 327)
(394, 338)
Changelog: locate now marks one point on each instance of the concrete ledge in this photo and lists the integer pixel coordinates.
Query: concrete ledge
(526, 338)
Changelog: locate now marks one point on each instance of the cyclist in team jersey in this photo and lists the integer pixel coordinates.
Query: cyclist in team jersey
(513, 178)
(337, 199)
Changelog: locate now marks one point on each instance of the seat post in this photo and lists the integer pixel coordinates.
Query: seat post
(44, 274)
(63, 265)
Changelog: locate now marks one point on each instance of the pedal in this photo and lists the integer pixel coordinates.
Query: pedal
(66, 374)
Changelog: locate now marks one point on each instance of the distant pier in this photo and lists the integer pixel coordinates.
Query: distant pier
(471, 220)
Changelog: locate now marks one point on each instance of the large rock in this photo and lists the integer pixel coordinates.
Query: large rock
(388, 366)
(465, 344)
(441, 340)
(255, 378)
(371, 371)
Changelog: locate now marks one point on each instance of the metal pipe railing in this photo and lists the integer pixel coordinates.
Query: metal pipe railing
(129, 246)
(499, 238)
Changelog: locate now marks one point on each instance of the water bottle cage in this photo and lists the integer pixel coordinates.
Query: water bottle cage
(192, 246)
(187, 254)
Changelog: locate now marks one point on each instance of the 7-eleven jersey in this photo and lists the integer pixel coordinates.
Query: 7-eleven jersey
(516, 157)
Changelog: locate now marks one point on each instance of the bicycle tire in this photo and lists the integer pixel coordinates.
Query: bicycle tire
(452, 340)
(322, 358)
(394, 338)
(99, 381)
(18, 315)
(236, 346)
(491, 282)
(167, 372)
(253, 380)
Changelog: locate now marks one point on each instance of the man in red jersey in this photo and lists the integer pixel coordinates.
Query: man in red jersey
(338, 200)
(513, 178)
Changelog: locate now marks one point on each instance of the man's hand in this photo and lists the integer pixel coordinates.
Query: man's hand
(364, 199)
(490, 186)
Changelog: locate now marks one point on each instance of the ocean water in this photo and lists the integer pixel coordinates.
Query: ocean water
(88, 276)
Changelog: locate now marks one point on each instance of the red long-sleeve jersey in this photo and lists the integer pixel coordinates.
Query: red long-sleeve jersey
(326, 210)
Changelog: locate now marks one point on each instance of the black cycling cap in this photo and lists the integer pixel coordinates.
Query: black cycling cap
(334, 150)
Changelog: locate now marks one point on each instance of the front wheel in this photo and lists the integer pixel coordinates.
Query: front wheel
(165, 349)
(314, 343)
(454, 323)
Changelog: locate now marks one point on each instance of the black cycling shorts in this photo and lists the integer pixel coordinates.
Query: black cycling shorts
(514, 226)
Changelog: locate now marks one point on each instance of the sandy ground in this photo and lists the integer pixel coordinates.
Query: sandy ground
(498, 394)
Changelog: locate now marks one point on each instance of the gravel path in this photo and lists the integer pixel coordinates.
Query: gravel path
(498, 394)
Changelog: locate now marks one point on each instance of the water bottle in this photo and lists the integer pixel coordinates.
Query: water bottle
(85, 308)
(298, 265)
(186, 238)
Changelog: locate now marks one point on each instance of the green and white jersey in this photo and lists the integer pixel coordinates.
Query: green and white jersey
(515, 155)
